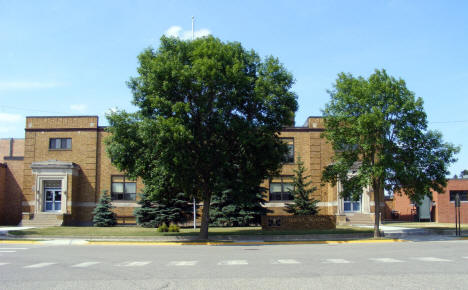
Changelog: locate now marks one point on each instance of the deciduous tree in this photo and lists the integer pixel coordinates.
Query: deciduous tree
(378, 128)
(208, 118)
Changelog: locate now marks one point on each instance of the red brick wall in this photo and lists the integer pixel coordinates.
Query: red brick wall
(445, 211)
(402, 204)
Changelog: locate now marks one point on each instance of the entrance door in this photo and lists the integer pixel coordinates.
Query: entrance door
(350, 205)
(53, 195)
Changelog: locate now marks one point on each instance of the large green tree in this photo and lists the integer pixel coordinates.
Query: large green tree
(209, 114)
(378, 130)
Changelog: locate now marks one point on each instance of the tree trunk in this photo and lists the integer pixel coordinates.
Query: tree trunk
(205, 219)
(376, 187)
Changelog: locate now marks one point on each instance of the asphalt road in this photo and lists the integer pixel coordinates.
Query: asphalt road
(408, 265)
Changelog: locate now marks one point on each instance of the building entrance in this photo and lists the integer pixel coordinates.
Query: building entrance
(52, 195)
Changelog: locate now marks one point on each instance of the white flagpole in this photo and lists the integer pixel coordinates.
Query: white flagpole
(194, 202)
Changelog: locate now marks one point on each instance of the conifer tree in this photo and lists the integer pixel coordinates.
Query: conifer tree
(303, 203)
(146, 214)
(229, 211)
(162, 203)
(103, 216)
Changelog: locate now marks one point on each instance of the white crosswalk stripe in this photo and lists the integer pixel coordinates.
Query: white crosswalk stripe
(386, 260)
(39, 265)
(13, 249)
(134, 264)
(233, 262)
(286, 261)
(3, 264)
(85, 264)
(7, 251)
(183, 263)
(337, 261)
(431, 259)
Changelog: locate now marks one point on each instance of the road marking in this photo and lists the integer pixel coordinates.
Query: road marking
(85, 264)
(7, 251)
(183, 263)
(286, 261)
(386, 260)
(337, 261)
(14, 249)
(431, 259)
(233, 262)
(134, 264)
(40, 265)
(3, 264)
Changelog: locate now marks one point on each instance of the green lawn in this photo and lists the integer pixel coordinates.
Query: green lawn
(427, 225)
(146, 232)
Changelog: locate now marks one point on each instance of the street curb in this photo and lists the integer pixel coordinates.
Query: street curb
(208, 243)
(249, 243)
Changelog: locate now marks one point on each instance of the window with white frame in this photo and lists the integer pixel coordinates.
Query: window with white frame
(122, 188)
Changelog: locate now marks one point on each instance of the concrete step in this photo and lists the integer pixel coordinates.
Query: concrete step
(44, 220)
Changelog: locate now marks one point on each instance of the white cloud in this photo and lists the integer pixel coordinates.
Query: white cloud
(10, 118)
(28, 85)
(78, 107)
(111, 110)
(4, 129)
(177, 31)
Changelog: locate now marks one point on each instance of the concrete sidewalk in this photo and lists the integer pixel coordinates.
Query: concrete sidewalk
(391, 234)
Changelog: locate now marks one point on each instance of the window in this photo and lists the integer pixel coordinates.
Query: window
(290, 155)
(122, 188)
(463, 195)
(280, 191)
(60, 143)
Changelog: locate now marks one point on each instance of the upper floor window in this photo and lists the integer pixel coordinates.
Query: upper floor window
(463, 195)
(280, 190)
(290, 155)
(60, 143)
(122, 188)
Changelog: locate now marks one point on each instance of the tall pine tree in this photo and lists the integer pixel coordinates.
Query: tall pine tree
(227, 210)
(103, 216)
(303, 203)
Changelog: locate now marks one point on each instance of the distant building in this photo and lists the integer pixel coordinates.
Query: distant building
(443, 204)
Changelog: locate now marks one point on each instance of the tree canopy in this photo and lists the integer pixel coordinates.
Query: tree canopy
(207, 121)
(378, 129)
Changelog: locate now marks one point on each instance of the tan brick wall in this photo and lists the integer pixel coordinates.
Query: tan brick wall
(83, 132)
(57, 122)
(88, 152)
(18, 147)
(316, 153)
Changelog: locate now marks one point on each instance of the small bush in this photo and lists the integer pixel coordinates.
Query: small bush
(174, 228)
(163, 228)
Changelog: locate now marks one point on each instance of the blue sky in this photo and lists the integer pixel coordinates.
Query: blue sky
(74, 57)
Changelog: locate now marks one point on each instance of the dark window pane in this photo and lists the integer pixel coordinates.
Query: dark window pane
(463, 195)
(290, 157)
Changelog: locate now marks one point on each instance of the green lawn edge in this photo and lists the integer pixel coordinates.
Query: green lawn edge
(150, 232)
